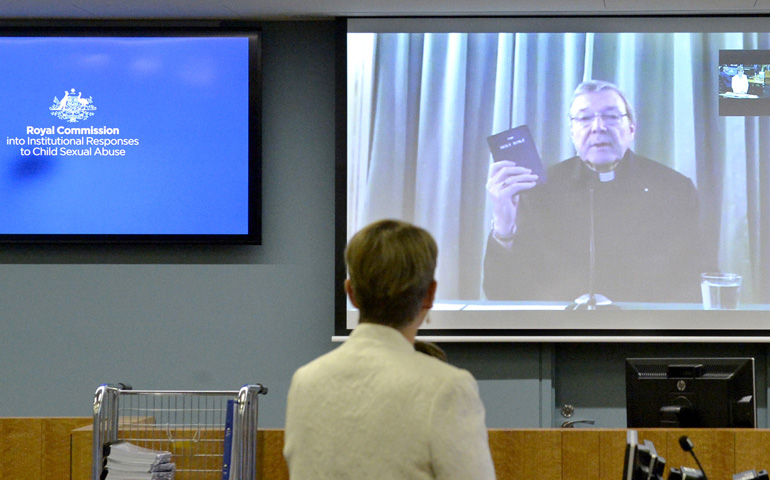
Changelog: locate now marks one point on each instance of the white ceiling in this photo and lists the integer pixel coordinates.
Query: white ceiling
(311, 9)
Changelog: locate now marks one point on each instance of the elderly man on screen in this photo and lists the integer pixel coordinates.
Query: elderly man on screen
(636, 218)
(375, 408)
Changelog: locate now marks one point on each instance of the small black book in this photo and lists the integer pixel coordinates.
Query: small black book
(517, 145)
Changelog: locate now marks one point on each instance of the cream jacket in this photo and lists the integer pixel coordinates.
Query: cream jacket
(374, 408)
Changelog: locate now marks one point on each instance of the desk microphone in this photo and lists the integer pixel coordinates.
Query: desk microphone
(591, 300)
(688, 446)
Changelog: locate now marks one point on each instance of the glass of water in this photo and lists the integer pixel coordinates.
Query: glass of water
(720, 290)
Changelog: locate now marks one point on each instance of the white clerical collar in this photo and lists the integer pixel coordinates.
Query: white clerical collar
(607, 176)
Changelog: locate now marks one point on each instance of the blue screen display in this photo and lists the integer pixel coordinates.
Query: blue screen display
(124, 136)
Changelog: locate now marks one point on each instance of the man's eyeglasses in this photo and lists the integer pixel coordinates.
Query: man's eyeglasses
(608, 119)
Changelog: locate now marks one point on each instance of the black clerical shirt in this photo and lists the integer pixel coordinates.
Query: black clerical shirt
(647, 241)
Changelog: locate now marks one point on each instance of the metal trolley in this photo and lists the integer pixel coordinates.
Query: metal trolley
(189, 424)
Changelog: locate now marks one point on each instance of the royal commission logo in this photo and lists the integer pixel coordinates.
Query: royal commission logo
(72, 108)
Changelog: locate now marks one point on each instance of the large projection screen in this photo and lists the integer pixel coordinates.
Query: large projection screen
(421, 98)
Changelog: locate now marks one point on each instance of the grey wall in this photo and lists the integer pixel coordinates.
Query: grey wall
(212, 318)
(192, 318)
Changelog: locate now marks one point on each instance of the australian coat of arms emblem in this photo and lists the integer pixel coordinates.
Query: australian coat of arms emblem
(71, 107)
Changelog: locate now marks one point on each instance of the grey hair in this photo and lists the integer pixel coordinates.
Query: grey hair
(599, 85)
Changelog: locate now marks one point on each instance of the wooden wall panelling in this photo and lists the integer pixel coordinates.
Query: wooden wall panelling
(33, 448)
(580, 460)
(548, 454)
(752, 450)
(82, 453)
(611, 450)
(599, 453)
(56, 445)
(20, 448)
(715, 449)
(526, 454)
(270, 462)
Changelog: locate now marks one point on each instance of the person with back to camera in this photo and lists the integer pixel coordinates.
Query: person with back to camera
(643, 215)
(374, 407)
(725, 80)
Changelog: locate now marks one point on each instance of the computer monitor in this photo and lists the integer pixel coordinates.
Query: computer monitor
(690, 392)
(642, 462)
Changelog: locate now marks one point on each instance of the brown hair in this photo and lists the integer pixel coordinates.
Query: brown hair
(429, 348)
(391, 266)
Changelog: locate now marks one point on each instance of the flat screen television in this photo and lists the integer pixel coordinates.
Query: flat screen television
(130, 132)
(596, 256)
(690, 393)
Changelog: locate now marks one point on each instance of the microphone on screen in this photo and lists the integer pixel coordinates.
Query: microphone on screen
(688, 446)
(591, 300)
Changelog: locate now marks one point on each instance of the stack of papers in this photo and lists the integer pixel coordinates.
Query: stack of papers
(126, 461)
